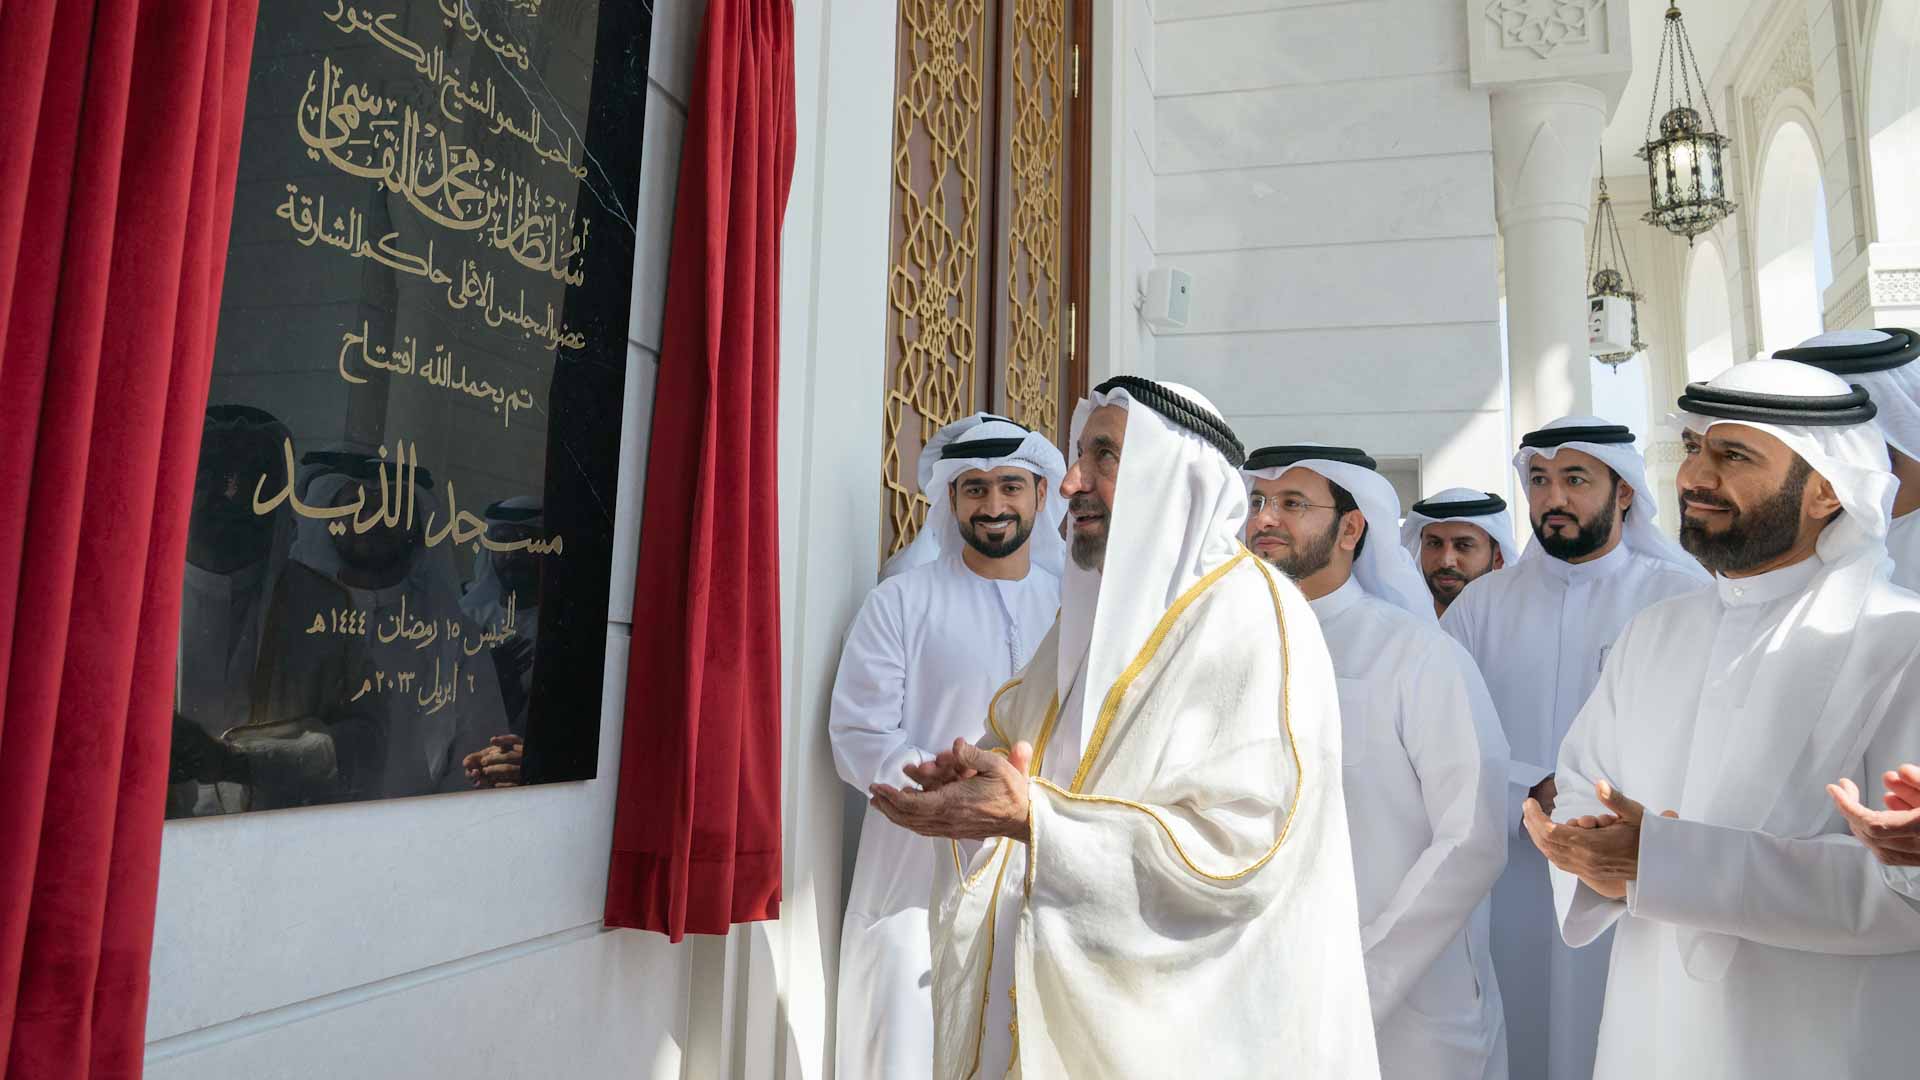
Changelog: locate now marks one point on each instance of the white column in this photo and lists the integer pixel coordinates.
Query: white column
(1554, 73)
(1546, 138)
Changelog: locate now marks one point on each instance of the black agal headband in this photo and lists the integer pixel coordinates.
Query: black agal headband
(1900, 347)
(1433, 508)
(1600, 434)
(1279, 457)
(1825, 410)
(1211, 429)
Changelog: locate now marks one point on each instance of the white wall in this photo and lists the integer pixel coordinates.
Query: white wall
(1326, 174)
(1140, 210)
(456, 936)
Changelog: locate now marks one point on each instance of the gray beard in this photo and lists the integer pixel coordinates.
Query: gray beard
(1090, 552)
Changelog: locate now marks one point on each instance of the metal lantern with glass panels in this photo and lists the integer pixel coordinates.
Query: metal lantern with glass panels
(1613, 305)
(1686, 164)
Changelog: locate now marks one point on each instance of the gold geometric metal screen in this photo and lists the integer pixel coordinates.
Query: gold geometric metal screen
(933, 289)
(1036, 188)
(975, 289)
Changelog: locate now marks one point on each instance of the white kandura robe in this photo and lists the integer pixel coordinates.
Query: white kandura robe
(1185, 902)
(1426, 780)
(1826, 963)
(1903, 543)
(1540, 630)
(924, 656)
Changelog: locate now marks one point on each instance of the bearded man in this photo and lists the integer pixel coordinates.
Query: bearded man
(1540, 631)
(965, 606)
(1457, 537)
(1754, 937)
(1150, 869)
(1422, 754)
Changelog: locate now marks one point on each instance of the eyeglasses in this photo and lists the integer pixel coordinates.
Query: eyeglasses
(1290, 506)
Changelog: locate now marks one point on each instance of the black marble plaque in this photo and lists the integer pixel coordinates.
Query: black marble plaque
(398, 557)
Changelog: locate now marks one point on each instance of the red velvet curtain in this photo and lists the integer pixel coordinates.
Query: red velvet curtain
(696, 844)
(118, 154)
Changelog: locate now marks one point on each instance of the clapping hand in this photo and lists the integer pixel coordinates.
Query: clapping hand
(970, 794)
(1601, 850)
(1893, 834)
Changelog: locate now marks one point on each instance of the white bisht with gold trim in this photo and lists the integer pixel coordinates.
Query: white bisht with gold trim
(1186, 900)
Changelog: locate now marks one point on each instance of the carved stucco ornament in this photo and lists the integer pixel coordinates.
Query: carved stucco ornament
(1545, 26)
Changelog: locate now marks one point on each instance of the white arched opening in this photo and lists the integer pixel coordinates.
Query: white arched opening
(1893, 121)
(1790, 240)
(1709, 315)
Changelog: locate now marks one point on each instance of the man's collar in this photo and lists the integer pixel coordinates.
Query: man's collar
(1336, 603)
(1593, 570)
(1770, 586)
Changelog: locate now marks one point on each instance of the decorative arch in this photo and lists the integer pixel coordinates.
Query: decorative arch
(1793, 262)
(1893, 120)
(1708, 313)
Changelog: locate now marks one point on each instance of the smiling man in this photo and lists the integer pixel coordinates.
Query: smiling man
(1165, 881)
(964, 607)
(1422, 754)
(1457, 537)
(1540, 631)
(1754, 937)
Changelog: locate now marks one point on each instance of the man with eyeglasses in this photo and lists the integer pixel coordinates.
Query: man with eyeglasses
(1424, 761)
(1540, 631)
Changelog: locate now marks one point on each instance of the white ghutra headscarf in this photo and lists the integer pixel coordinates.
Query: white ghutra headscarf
(1881, 363)
(1000, 442)
(1805, 720)
(1178, 508)
(1438, 510)
(1640, 534)
(1383, 567)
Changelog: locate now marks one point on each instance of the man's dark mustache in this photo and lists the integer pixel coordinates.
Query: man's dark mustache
(1710, 501)
(1448, 575)
(1087, 503)
(1275, 534)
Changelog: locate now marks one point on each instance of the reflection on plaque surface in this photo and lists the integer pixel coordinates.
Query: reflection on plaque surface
(398, 552)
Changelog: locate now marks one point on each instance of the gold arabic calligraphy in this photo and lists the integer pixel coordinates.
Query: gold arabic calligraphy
(457, 94)
(397, 508)
(373, 137)
(435, 370)
(473, 287)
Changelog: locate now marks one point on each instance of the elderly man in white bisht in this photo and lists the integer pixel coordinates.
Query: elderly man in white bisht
(1150, 871)
(1754, 936)
(961, 609)
(1540, 630)
(1423, 757)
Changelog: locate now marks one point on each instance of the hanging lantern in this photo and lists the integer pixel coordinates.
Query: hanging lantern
(1686, 164)
(1613, 305)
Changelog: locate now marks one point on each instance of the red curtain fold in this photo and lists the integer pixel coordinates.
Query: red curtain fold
(696, 844)
(117, 169)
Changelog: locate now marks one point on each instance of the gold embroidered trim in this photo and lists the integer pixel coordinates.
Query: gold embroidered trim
(986, 978)
(993, 703)
(1033, 769)
(1111, 705)
(1286, 722)
(1046, 736)
(967, 883)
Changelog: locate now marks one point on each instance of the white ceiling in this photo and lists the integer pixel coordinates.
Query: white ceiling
(1711, 26)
